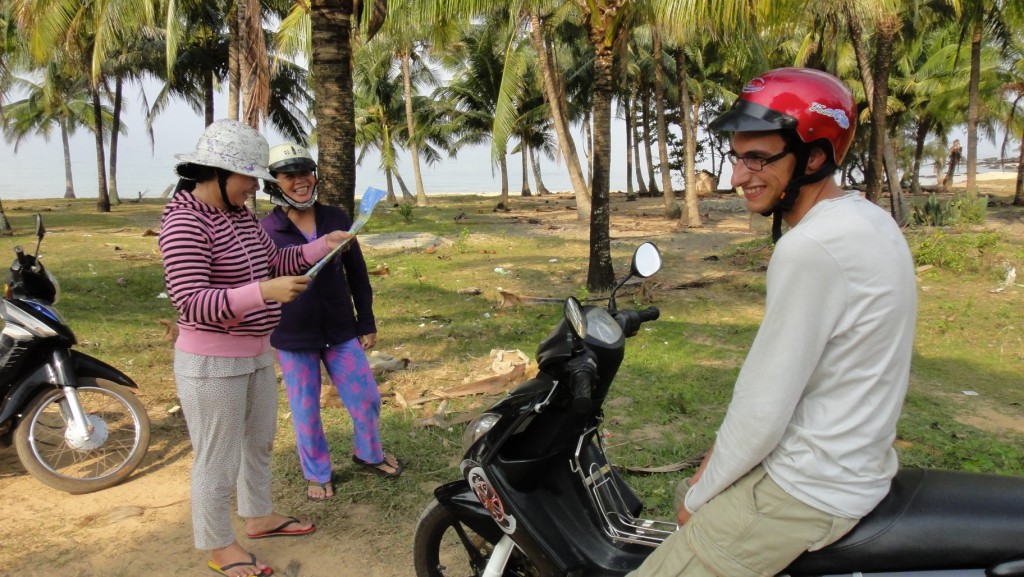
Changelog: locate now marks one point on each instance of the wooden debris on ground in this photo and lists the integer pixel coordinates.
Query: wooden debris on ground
(385, 363)
(170, 328)
(510, 299)
(470, 290)
(703, 281)
(672, 468)
(438, 418)
(510, 368)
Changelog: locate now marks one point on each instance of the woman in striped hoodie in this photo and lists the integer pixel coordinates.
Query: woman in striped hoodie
(227, 279)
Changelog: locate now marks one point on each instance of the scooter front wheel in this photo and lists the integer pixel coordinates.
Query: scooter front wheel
(444, 547)
(53, 453)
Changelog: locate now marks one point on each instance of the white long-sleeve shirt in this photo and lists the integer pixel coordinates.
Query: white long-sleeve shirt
(821, 390)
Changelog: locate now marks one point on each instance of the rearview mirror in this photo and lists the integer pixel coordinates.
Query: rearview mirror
(646, 260)
(575, 317)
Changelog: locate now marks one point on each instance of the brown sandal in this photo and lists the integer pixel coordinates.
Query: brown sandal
(375, 468)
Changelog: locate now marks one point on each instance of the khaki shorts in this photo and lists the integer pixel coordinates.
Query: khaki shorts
(752, 529)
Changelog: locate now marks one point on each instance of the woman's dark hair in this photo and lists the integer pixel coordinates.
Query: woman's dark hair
(192, 174)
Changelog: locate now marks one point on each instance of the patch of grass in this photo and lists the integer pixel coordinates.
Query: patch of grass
(671, 391)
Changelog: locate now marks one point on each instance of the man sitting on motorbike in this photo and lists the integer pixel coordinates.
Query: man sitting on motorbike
(805, 449)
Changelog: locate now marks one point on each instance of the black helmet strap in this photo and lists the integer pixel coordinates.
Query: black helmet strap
(222, 180)
(800, 178)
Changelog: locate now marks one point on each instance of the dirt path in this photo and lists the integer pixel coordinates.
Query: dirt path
(144, 527)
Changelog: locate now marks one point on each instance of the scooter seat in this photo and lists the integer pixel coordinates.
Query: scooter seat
(930, 520)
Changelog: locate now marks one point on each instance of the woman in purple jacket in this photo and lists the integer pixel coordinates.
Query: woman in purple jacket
(331, 323)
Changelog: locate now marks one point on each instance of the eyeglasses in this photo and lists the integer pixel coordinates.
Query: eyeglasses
(753, 162)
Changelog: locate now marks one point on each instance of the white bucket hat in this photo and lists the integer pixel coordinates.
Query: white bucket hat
(231, 145)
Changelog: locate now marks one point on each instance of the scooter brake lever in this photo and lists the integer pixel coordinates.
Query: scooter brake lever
(539, 407)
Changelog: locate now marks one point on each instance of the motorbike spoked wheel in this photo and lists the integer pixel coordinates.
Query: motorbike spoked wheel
(443, 547)
(51, 453)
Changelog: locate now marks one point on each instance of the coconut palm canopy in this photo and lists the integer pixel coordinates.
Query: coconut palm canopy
(418, 79)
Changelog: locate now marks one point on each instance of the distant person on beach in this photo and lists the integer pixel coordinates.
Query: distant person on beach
(805, 449)
(331, 324)
(222, 274)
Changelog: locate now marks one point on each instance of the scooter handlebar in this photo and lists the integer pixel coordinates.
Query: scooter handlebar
(649, 314)
(583, 374)
(630, 320)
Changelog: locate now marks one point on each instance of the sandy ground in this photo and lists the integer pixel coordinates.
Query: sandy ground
(144, 527)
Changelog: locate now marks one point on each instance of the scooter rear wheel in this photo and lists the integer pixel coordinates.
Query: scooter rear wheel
(52, 454)
(443, 547)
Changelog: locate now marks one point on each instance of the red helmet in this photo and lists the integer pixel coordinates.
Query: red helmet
(815, 104)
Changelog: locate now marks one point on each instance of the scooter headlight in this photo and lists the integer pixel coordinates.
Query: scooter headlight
(477, 428)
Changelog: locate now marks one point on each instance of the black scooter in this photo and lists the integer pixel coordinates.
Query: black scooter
(539, 497)
(75, 424)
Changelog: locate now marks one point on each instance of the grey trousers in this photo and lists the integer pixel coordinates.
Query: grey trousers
(230, 405)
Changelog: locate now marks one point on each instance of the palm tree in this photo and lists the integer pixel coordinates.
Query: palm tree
(411, 40)
(379, 109)
(81, 36)
(58, 102)
(478, 64)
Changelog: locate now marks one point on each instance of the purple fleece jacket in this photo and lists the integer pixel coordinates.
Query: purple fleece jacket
(338, 305)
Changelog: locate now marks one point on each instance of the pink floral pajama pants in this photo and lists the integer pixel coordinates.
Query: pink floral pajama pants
(351, 374)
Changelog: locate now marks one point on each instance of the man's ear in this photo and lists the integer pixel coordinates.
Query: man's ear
(817, 158)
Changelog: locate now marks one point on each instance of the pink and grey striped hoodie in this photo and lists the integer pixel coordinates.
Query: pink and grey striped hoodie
(214, 261)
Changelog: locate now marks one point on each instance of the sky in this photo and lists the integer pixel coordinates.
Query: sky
(36, 170)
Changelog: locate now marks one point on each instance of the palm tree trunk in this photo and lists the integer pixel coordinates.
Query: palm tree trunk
(391, 198)
(672, 210)
(627, 103)
(601, 274)
(69, 183)
(503, 167)
(335, 106)
(688, 113)
(872, 174)
(1018, 193)
(112, 192)
(555, 96)
(588, 148)
(541, 189)
(884, 35)
(919, 140)
(524, 151)
(406, 195)
(234, 67)
(5, 225)
(641, 187)
(645, 116)
(972, 106)
(421, 195)
(208, 116)
(102, 201)
(252, 57)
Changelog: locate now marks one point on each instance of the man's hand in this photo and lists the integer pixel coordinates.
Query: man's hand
(337, 237)
(368, 341)
(283, 289)
(683, 516)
